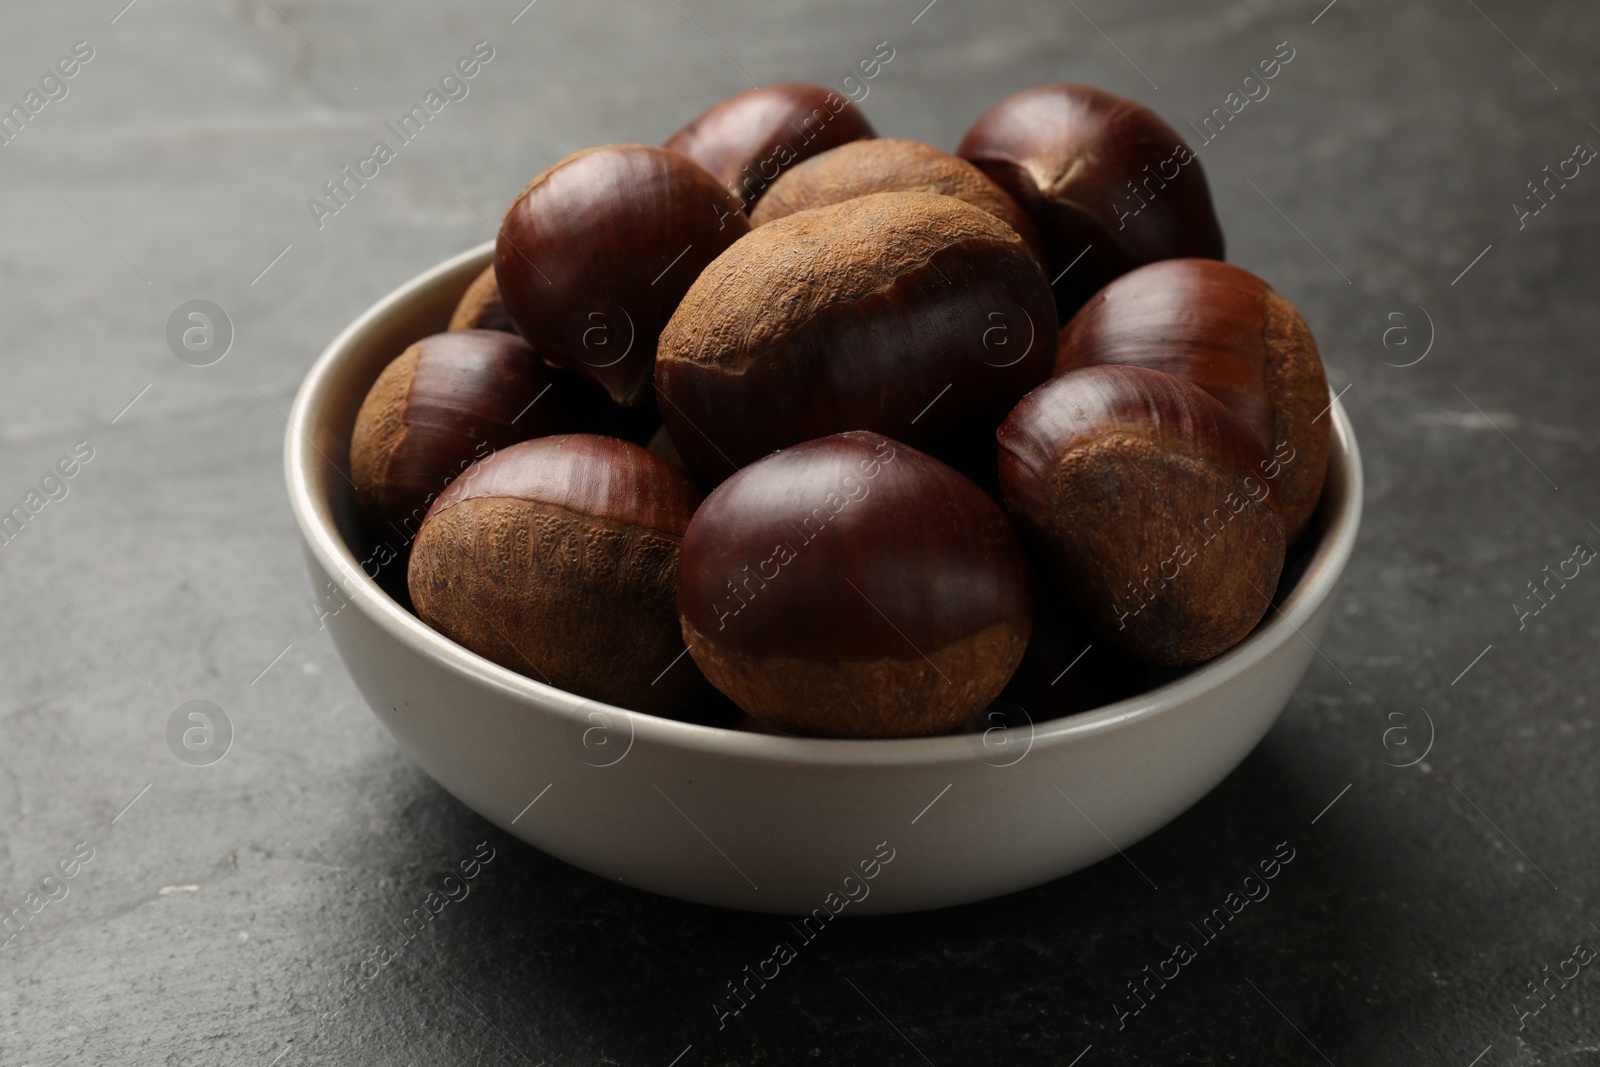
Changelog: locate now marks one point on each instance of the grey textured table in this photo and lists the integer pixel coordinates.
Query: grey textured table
(224, 906)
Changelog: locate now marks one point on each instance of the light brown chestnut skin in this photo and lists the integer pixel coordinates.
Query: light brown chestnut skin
(887, 165)
(854, 587)
(1143, 496)
(557, 558)
(1228, 332)
(748, 140)
(1099, 172)
(439, 407)
(910, 314)
(481, 307)
(595, 254)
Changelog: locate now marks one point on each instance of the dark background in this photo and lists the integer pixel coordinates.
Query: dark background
(223, 907)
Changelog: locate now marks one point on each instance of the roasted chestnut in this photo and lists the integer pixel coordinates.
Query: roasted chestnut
(747, 140)
(910, 314)
(853, 586)
(480, 307)
(1102, 177)
(1228, 332)
(887, 165)
(557, 558)
(443, 404)
(1143, 495)
(595, 254)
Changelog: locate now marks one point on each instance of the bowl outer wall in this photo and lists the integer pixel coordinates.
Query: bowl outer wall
(768, 823)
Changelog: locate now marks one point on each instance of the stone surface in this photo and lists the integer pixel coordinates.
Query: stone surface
(220, 911)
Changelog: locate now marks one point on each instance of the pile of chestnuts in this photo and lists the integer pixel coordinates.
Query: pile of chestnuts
(858, 434)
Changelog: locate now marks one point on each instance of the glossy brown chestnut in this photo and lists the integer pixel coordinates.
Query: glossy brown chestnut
(1144, 498)
(909, 314)
(596, 253)
(481, 307)
(557, 558)
(443, 404)
(1228, 332)
(854, 587)
(1100, 176)
(887, 165)
(748, 140)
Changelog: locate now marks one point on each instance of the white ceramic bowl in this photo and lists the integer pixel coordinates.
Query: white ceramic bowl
(770, 823)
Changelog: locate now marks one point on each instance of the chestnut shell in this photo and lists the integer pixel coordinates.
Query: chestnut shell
(1227, 331)
(557, 558)
(595, 254)
(888, 165)
(853, 586)
(749, 139)
(1143, 497)
(481, 308)
(1099, 175)
(440, 406)
(910, 314)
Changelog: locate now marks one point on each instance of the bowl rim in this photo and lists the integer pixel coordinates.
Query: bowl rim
(322, 539)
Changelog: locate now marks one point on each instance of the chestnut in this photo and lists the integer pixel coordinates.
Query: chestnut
(1143, 495)
(443, 404)
(853, 586)
(557, 558)
(480, 307)
(595, 254)
(910, 314)
(1227, 331)
(1102, 177)
(888, 165)
(747, 140)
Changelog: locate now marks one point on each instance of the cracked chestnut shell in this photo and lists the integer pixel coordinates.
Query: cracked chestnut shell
(854, 587)
(887, 165)
(481, 308)
(439, 407)
(557, 558)
(910, 314)
(1100, 176)
(1227, 331)
(595, 254)
(748, 140)
(1143, 496)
